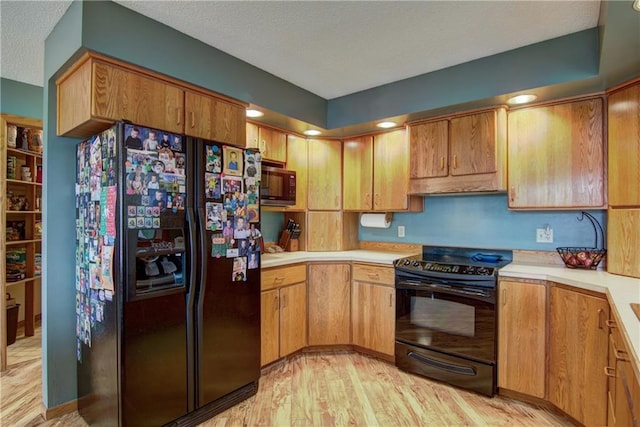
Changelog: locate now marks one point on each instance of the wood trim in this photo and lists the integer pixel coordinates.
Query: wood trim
(566, 100)
(540, 403)
(523, 280)
(537, 257)
(376, 355)
(622, 85)
(390, 246)
(60, 410)
(458, 114)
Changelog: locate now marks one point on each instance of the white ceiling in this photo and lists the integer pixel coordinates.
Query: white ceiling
(331, 48)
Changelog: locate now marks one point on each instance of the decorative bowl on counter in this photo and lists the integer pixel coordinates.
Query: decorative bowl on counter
(581, 257)
(576, 257)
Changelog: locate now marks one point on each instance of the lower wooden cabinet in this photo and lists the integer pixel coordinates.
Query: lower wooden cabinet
(373, 317)
(283, 312)
(623, 396)
(329, 304)
(522, 337)
(578, 339)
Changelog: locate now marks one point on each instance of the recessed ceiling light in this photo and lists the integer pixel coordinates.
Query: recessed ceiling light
(254, 113)
(636, 5)
(522, 99)
(312, 132)
(386, 125)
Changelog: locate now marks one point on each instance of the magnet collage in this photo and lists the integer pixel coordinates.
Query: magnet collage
(155, 181)
(232, 184)
(96, 195)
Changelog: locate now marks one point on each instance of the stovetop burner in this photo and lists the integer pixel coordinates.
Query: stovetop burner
(456, 262)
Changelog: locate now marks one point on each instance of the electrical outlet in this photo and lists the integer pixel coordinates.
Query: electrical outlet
(401, 231)
(544, 235)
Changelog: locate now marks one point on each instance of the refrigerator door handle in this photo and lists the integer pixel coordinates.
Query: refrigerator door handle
(191, 342)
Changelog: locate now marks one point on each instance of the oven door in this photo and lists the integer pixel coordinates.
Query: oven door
(449, 319)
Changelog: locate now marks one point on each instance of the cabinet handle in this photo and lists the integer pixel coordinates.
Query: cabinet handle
(504, 297)
(455, 161)
(263, 146)
(373, 275)
(600, 319)
(347, 277)
(192, 116)
(391, 299)
(610, 372)
(442, 162)
(512, 194)
(611, 323)
(178, 115)
(621, 355)
(284, 301)
(277, 303)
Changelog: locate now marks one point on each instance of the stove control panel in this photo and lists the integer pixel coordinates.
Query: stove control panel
(429, 266)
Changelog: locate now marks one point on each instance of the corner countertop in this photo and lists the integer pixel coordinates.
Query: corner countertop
(376, 257)
(620, 290)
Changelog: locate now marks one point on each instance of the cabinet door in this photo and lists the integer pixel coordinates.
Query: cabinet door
(272, 145)
(556, 156)
(252, 135)
(391, 171)
(329, 304)
(357, 172)
(623, 236)
(124, 94)
(325, 175)
(429, 144)
(297, 161)
(215, 120)
(373, 317)
(522, 337)
(324, 231)
(578, 339)
(473, 144)
(293, 318)
(269, 327)
(624, 147)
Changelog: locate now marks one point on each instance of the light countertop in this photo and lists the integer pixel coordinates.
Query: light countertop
(376, 257)
(620, 290)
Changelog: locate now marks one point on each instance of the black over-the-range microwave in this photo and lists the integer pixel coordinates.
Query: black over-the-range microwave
(278, 187)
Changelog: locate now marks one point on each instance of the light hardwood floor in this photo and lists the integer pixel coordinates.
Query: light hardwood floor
(311, 389)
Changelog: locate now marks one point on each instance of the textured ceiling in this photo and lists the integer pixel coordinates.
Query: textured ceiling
(329, 48)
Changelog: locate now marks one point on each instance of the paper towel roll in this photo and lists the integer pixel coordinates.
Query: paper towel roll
(375, 220)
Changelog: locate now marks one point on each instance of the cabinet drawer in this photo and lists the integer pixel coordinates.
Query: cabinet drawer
(373, 274)
(282, 276)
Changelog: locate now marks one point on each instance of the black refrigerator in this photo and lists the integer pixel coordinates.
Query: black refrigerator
(167, 277)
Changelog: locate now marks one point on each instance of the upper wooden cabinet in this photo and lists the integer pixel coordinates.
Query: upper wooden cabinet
(331, 231)
(429, 149)
(214, 119)
(271, 143)
(94, 93)
(391, 173)
(556, 156)
(357, 172)
(624, 146)
(325, 175)
(578, 339)
(297, 161)
(464, 153)
(623, 237)
(522, 337)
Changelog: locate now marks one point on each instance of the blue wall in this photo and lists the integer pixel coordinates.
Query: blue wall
(485, 221)
(20, 99)
(271, 224)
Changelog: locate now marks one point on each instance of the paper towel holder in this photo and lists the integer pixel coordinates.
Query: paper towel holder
(380, 219)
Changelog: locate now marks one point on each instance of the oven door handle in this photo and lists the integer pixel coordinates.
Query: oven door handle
(440, 364)
(407, 284)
